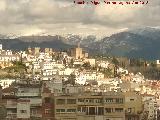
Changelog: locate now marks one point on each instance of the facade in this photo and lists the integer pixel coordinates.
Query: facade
(36, 50)
(47, 104)
(77, 52)
(103, 64)
(23, 103)
(6, 82)
(133, 106)
(7, 57)
(91, 61)
(1, 47)
(150, 107)
(158, 63)
(48, 50)
(23, 109)
(90, 106)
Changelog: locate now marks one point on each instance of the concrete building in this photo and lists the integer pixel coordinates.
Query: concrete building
(47, 104)
(90, 106)
(23, 101)
(91, 61)
(133, 106)
(77, 53)
(150, 107)
(1, 47)
(9, 58)
(48, 50)
(36, 50)
(6, 82)
(23, 109)
(103, 64)
(29, 50)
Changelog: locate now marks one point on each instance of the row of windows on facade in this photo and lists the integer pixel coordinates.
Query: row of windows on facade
(88, 110)
(107, 100)
(92, 110)
(34, 111)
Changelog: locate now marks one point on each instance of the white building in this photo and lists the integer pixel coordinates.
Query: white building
(6, 82)
(23, 109)
(121, 70)
(103, 64)
(150, 106)
(66, 71)
(91, 61)
(47, 65)
(82, 77)
(138, 78)
(1, 47)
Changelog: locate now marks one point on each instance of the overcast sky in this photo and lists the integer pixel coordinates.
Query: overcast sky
(27, 17)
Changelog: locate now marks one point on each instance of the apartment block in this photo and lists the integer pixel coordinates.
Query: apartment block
(90, 106)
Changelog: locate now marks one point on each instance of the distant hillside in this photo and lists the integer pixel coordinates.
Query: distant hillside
(134, 43)
(17, 44)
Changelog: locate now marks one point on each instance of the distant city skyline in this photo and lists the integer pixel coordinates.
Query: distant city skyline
(31, 17)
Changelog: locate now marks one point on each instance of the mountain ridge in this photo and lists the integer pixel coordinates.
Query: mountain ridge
(134, 43)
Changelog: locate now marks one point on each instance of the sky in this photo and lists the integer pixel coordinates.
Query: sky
(31, 17)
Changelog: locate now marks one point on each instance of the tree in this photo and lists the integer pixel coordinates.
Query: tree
(115, 61)
(153, 64)
(72, 79)
(86, 65)
(107, 72)
(71, 63)
(64, 61)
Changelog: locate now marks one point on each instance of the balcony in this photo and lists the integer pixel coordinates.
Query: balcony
(28, 94)
(12, 115)
(36, 105)
(36, 115)
(36, 102)
(11, 106)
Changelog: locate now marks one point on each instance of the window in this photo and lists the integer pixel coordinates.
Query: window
(98, 100)
(79, 109)
(60, 101)
(71, 110)
(23, 111)
(131, 99)
(34, 111)
(80, 100)
(67, 90)
(92, 111)
(109, 110)
(119, 100)
(90, 100)
(71, 101)
(100, 111)
(47, 111)
(83, 109)
(129, 110)
(60, 110)
(109, 100)
(118, 109)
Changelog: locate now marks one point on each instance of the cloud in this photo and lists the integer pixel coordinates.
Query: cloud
(2, 5)
(63, 16)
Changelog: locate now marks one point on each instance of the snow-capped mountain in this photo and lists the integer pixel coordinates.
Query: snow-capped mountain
(139, 43)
